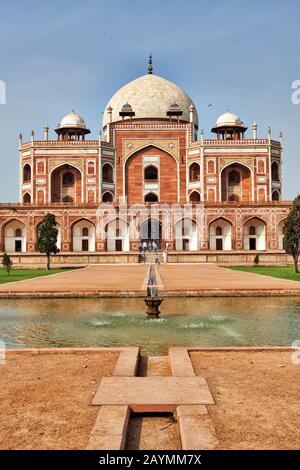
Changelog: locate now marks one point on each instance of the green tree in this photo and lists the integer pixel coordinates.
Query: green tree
(292, 233)
(47, 239)
(7, 263)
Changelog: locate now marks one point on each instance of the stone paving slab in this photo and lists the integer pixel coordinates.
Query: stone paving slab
(180, 362)
(109, 278)
(109, 431)
(131, 280)
(127, 363)
(197, 432)
(153, 394)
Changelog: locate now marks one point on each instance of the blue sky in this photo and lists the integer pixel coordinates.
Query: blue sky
(59, 55)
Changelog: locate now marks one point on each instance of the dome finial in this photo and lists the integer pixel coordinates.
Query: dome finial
(150, 68)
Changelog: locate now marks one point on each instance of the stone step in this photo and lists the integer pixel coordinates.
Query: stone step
(153, 394)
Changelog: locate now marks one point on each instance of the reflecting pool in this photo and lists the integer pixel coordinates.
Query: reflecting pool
(122, 322)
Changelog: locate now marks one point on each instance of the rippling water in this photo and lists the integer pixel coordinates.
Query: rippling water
(122, 322)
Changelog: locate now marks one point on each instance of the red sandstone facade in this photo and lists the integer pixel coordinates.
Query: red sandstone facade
(232, 184)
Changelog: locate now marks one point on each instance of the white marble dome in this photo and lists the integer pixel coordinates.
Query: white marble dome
(72, 120)
(229, 119)
(150, 96)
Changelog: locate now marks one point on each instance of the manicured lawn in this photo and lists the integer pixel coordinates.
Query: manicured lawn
(20, 274)
(283, 272)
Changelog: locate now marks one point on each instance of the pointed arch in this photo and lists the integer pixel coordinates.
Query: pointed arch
(151, 197)
(26, 198)
(275, 171)
(275, 195)
(186, 235)
(107, 196)
(195, 197)
(254, 230)
(107, 173)
(150, 144)
(117, 235)
(220, 234)
(63, 186)
(83, 235)
(236, 182)
(194, 172)
(14, 234)
(27, 173)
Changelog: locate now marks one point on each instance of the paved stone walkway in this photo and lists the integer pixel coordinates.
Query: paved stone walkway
(93, 279)
(182, 393)
(202, 277)
(176, 279)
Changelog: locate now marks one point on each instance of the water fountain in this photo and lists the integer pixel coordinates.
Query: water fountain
(153, 301)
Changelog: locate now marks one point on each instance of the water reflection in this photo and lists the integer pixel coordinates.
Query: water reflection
(122, 322)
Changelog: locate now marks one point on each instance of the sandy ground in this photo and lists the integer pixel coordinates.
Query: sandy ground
(45, 400)
(152, 432)
(257, 398)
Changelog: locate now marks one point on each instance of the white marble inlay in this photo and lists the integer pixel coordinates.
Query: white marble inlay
(240, 150)
(66, 152)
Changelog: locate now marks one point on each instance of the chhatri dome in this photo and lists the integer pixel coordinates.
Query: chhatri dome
(72, 120)
(150, 96)
(229, 119)
(72, 127)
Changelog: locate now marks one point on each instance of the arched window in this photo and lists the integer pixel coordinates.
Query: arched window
(85, 232)
(233, 177)
(107, 173)
(68, 179)
(275, 196)
(219, 231)
(107, 197)
(252, 230)
(275, 171)
(151, 173)
(194, 172)
(26, 198)
(18, 233)
(91, 168)
(26, 173)
(195, 197)
(151, 197)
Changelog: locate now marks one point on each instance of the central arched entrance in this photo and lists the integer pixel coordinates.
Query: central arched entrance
(66, 185)
(151, 231)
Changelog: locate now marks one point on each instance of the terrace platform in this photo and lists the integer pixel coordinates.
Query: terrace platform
(131, 281)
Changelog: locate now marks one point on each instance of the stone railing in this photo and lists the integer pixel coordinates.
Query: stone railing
(65, 143)
(198, 143)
